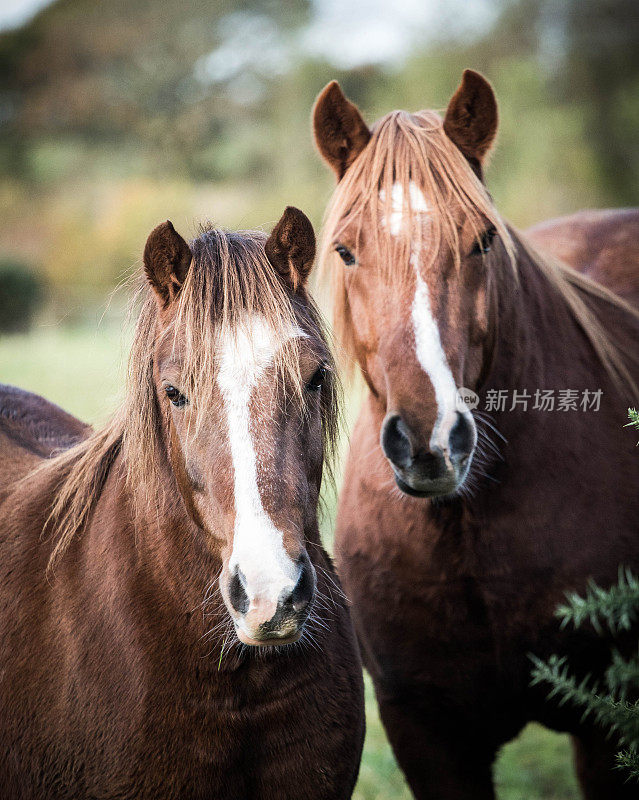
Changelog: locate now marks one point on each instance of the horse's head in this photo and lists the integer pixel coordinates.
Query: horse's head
(243, 381)
(410, 236)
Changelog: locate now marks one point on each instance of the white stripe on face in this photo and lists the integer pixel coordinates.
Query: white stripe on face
(432, 358)
(258, 547)
(428, 345)
(416, 200)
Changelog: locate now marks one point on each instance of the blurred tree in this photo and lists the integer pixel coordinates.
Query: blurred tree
(600, 68)
(21, 292)
(169, 79)
(587, 51)
(202, 108)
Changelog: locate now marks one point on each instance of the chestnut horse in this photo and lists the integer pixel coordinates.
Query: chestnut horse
(178, 631)
(459, 531)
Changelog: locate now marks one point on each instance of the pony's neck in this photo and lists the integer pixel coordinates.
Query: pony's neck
(155, 543)
(537, 341)
(175, 543)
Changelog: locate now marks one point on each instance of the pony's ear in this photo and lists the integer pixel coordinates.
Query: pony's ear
(340, 132)
(167, 258)
(471, 118)
(291, 248)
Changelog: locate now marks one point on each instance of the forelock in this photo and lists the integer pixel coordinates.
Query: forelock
(409, 161)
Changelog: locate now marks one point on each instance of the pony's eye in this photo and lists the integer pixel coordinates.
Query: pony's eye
(484, 244)
(317, 381)
(345, 254)
(175, 396)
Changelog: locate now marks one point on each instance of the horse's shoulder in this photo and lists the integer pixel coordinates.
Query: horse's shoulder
(35, 424)
(603, 244)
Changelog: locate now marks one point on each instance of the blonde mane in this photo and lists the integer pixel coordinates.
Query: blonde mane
(230, 280)
(413, 148)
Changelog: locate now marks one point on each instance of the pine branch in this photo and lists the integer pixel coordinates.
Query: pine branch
(622, 677)
(633, 416)
(617, 716)
(629, 760)
(556, 672)
(617, 607)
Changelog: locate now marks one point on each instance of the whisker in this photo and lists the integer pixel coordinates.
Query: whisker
(483, 417)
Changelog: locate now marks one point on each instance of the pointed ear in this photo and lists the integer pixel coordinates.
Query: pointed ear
(291, 248)
(340, 132)
(167, 258)
(471, 118)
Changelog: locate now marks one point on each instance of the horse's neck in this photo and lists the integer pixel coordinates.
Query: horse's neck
(541, 350)
(539, 344)
(156, 548)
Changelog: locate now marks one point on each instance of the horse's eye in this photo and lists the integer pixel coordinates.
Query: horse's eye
(175, 396)
(317, 381)
(345, 254)
(484, 244)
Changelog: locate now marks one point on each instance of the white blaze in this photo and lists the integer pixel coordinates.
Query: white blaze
(428, 345)
(416, 200)
(258, 547)
(431, 356)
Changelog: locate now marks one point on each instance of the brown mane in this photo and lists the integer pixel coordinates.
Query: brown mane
(230, 278)
(414, 147)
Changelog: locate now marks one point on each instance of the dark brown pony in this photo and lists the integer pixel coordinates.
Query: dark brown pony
(460, 530)
(140, 563)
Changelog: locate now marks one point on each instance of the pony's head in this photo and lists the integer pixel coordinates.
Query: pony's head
(412, 241)
(230, 351)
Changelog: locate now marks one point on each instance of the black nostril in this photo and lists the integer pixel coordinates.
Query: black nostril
(395, 442)
(461, 438)
(304, 589)
(237, 594)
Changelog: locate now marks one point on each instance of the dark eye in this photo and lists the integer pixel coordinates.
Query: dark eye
(175, 396)
(345, 254)
(484, 244)
(317, 381)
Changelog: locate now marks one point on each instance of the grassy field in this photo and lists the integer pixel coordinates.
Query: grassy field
(83, 371)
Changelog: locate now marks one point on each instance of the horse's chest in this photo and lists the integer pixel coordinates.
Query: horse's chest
(246, 738)
(192, 733)
(451, 613)
(301, 737)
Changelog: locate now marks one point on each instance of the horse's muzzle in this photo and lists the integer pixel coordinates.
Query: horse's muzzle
(428, 471)
(261, 620)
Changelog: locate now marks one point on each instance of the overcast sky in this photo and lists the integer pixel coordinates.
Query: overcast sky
(15, 12)
(352, 32)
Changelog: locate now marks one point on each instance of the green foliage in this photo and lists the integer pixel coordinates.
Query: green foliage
(612, 703)
(122, 114)
(617, 716)
(617, 606)
(633, 416)
(21, 292)
(601, 67)
(169, 77)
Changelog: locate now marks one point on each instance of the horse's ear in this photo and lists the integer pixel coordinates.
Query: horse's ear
(471, 118)
(167, 258)
(340, 132)
(291, 248)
